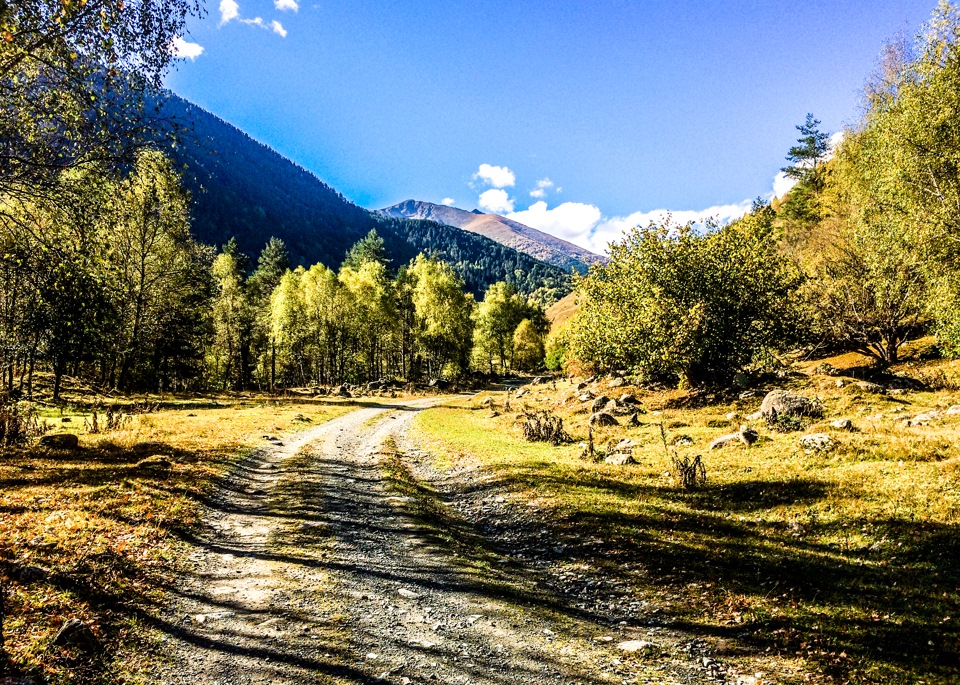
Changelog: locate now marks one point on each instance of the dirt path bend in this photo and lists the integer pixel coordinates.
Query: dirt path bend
(311, 569)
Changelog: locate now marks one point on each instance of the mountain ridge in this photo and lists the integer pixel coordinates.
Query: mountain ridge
(243, 189)
(530, 241)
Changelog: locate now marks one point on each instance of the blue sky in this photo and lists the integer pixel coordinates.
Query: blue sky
(586, 116)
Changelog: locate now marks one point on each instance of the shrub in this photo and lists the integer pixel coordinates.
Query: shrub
(686, 305)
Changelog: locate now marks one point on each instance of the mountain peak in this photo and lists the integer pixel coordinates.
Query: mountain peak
(538, 244)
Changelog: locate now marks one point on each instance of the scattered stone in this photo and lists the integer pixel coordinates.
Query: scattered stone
(954, 410)
(786, 403)
(636, 646)
(603, 638)
(600, 403)
(602, 418)
(816, 442)
(581, 385)
(682, 440)
(627, 398)
(872, 388)
(156, 464)
(842, 424)
(840, 383)
(827, 369)
(732, 416)
(634, 419)
(586, 397)
(66, 419)
(76, 633)
(409, 594)
(617, 383)
(621, 459)
(924, 419)
(745, 435)
(29, 573)
(60, 441)
(747, 394)
(725, 441)
(625, 444)
(755, 416)
(300, 418)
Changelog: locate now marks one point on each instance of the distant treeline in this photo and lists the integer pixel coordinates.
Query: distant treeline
(103, 280)
(862, 254)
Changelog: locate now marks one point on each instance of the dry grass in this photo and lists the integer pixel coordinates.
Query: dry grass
(102, 532)
(840, 566)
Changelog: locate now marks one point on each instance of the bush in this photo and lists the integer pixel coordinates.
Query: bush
(685, 305)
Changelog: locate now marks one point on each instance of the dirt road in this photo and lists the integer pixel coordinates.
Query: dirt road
(311, 569)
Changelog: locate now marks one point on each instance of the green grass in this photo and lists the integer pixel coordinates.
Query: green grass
(841, 566)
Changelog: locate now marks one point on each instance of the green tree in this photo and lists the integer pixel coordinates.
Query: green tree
(443, 325)
(370, 249)
(689, 306)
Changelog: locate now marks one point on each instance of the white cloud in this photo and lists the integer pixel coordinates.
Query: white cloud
(448, 202)
(185, 49)
(496, 201)
(229, 10)
(571, 220)
(284, 5)
(543, 185)
(496, 176)
(584, 224)
(782, 184)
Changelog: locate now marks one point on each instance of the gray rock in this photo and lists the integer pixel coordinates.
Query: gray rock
(786, 403)
(682, 440)
(747, 394)
(581, 385)
(725, 441)
(602, 418)
(75, 633)
(755, 416)
(842, 424)
(636, 646)
(732, 416)
(157, 464)
(816, 442)
(619, 459)
(872, 388)
(599, 404)
(586, 397)
(627, 398)
(924, 419)
(30, 574)
(617, 383)
(60, 441)
(954, 410)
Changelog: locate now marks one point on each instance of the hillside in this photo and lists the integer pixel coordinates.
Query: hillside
(562, 311)
(530, 241)
(245, 190)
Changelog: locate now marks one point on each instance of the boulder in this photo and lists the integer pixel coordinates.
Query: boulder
(602, 418)
(725, 441)
(627, 398)
(872, 388)
(581, 385)
(683, 441)
(755, 416)
(621, 459)
(60, 441)
(599, 404)
(76, 633)
(637, 646)
(954, 410)
(842, 425)
(585, 397)
(924, 419)
(748, 435)
(617, 383)
(157, 464)
(816, 442)
(741, 380)
(787, 403)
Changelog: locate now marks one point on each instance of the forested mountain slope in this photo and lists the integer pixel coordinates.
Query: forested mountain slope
(530, 241)
(244, 189)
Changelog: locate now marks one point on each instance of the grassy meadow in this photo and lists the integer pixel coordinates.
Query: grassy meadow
(833, 566)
